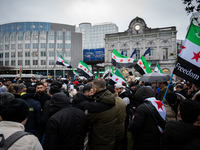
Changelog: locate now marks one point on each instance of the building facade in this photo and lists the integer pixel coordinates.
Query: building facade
(35, 47)
(93, 35)
(162, 43)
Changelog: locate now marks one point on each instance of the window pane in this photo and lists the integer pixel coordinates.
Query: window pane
(6, 55)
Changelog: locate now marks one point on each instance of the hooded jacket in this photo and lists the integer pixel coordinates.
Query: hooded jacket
(81, 101)
(180, 136)
(58, 101)
(143, 126)
(66, 129)
(102, 116)
(35, 114)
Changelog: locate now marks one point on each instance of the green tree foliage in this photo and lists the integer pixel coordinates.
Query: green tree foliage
(192, 6)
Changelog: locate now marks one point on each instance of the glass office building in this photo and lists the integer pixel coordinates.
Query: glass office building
(93, 36)
(35, 47)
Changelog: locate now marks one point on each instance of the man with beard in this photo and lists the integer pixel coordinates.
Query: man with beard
(82, 101)
(40, 95)
(102, 116)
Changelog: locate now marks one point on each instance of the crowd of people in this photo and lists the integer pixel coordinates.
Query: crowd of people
(80, 114)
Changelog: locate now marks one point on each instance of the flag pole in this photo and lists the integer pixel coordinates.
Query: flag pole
(167, 87)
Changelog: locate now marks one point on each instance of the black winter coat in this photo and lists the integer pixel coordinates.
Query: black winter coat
(66, 129)
(145, 130)
(143, 126)
(58, 101)
(34, 114)
(181, 136)
(42, 98)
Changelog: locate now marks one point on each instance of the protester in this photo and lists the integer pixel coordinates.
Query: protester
(2, 89)
(131, 78)
(146, 132)
(102, 116)
(133, 100)
(154, 88)
(4, 96)
(119, 89)
(126, 96)
(33, 124)
(14, 114)
(121, 117)
(140, 84)
(82, 101)
(171, 105)
(179, 89)
(20, 89)
(57, 101)
(163, 88)
(183, 134)
(67, 126)
(12, 88)
(6, 83)
(196, 91)
(40, 95)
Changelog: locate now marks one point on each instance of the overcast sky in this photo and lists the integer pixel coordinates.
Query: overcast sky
(156, 13)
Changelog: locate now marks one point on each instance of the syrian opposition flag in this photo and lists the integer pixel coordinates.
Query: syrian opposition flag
(120, 61)
(150, 64)
(106, 73)
(142, 66)
(157, 69)
(160, 109)
(188, 63)
(90, 67)
(84, 70)
(61, 61)
(74, 72)
(117, 78)
(112, 70)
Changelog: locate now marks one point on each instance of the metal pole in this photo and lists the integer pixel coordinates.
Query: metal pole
(167, 87)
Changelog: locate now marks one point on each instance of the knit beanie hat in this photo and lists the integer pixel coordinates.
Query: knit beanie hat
(55, 87)
(2, 89)
(15, 110)
(76, 82)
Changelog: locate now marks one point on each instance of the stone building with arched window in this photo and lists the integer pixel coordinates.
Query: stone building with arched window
(162, 43)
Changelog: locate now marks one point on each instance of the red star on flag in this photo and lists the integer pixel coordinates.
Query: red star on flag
(81, 66)
(62, 61)
(123, 82)
(85, 69)
(116, 79)
(159, 103)
(121, 60)
(196, 56)
(88, 71)
(143, 67)
(129, 60)
(114, 57)
(183, 47)
(140, 63)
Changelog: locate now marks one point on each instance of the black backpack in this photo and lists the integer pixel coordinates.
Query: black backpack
(6, 143)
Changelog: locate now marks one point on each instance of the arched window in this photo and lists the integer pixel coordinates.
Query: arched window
(166, 71)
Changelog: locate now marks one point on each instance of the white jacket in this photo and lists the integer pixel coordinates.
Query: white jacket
(27, 142)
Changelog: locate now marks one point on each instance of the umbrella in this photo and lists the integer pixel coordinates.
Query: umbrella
(155, 77)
